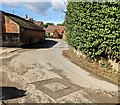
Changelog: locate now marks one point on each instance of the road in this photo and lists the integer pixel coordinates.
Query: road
(48, 77)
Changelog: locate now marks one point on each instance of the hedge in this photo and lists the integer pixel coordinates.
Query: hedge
(94, 28)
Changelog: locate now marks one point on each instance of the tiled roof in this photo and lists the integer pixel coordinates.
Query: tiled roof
(51, 29)
(39, 23)
(21, 21)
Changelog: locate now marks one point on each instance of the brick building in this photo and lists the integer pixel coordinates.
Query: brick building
(17, 31)
(56, 31)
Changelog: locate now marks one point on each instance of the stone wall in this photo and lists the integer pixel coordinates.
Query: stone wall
(79, 53)
(115, 65)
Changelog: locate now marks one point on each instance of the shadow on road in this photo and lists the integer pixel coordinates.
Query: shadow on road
(46, 44)
(10, 93)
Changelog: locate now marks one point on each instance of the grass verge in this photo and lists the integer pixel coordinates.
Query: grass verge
(94, 67)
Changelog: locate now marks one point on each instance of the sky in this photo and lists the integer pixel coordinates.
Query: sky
(41, 10)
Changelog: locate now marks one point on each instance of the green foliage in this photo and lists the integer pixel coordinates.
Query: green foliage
(61, 24)
(47, 24)
(94, 28)
(48, 35)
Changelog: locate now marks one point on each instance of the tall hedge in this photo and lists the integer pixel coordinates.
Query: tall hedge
(94, 28)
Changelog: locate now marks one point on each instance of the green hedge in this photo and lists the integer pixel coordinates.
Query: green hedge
(94, 28)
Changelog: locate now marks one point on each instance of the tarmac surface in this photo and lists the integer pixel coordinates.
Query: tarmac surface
(40, 74)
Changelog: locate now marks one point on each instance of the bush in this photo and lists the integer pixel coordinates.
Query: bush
(48, 35)
(94, 28)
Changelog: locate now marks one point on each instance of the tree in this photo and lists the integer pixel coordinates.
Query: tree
(48, 24)
(60, 24)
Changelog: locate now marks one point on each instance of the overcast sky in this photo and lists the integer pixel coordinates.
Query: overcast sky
(46, 11)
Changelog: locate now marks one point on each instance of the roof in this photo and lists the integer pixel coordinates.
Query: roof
(39, 23)
(51, 29)
(21, 21)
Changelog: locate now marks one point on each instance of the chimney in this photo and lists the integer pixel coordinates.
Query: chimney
(31, 19)
(26, 17)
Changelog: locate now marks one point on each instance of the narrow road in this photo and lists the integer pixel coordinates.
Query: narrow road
(48, 77)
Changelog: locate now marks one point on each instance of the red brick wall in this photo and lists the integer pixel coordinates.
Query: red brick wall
(55, 34)
(31, 36)
(11, 26)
